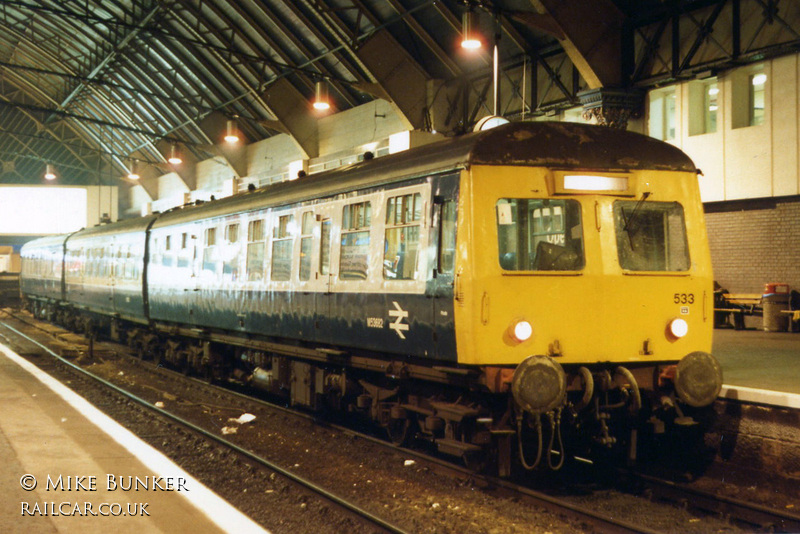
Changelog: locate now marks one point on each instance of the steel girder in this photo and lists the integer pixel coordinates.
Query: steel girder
(685, 39)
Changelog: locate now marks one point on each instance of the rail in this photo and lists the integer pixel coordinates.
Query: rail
(747, 515)
(740, 512)
(326, 495)
(599, 522)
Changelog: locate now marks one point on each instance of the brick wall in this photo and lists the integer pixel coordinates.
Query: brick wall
(754, 242)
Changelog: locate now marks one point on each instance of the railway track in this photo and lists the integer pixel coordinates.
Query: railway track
(118, 402)
(740, 513)
(746, 515)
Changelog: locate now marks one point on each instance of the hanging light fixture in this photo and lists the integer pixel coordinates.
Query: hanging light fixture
(321, 100)
(49, 172)
(133, 174)
(469, 39)
(231, 134)
(174, 155)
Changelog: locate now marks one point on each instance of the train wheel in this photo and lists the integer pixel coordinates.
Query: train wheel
(398, 431)
(208, 374)
(475, 461)
(401, 428)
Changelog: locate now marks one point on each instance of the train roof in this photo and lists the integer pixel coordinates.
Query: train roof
(139, 224)
(567, 145)
(44, 242)
(557, 145)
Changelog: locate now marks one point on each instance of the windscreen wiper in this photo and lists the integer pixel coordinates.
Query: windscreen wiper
(629, 227)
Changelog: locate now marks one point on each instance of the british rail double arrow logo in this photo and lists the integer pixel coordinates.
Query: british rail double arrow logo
(398, 325)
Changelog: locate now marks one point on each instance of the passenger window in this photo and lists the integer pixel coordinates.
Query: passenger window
(230, 255)
(166, 257)
(447, 237)
(651, 236)
(155, 252)
(129, 264)
(401, 243)
(356, 219)
(282, 248)
(539, 235)
(210, 250)
(325, 248)
(184, 254)
(306, 245)
(255, 250)
(232, 233)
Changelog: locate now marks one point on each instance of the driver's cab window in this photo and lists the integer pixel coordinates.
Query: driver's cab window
(539, 234)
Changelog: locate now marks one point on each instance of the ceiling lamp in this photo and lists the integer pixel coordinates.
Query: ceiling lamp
(321, 100)
(174, 155)
(49, 172)
(133, 174)
(231, 135)
(469, 39)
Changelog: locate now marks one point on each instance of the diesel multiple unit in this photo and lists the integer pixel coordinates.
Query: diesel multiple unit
(532, 291)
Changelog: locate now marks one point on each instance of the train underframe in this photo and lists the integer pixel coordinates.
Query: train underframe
(604, 411)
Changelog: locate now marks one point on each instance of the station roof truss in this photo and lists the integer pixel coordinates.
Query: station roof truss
(89, 86)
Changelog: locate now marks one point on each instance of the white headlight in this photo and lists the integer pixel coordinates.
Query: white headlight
(678, 328)
(523, 331)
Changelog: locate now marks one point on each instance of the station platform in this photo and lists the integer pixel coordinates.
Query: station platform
(759, 366)
(65, 465)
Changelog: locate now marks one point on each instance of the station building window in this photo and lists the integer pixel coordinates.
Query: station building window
(401, 245)
(749, 88)
(757, 89)
(255, 250)
(354, 253)
(662, 119)
(704, 101)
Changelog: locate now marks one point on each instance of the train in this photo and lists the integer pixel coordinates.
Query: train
(515, 297)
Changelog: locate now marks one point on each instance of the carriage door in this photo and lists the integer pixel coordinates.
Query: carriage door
(443, 236)
(321, 283)
(114, 269)
(304, 300)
